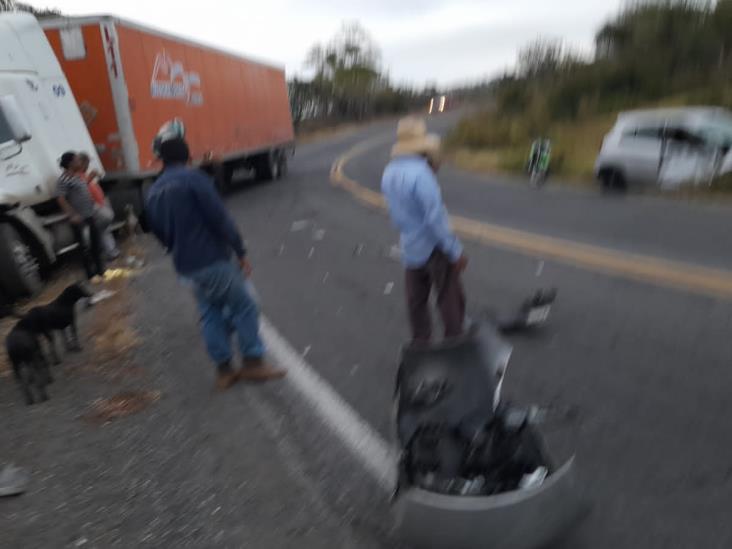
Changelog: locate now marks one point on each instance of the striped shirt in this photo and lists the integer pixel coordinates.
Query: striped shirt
(76, 192)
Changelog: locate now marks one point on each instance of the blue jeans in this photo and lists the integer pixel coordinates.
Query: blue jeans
(226, 306)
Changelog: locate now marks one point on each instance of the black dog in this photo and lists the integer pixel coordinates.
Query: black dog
(59, 315)
(29, 366)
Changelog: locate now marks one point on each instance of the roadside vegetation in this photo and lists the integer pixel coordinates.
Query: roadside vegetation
(653, 53)
(348, 84)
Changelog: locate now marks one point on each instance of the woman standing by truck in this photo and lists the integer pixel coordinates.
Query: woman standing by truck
(77, 202)
(103, 213)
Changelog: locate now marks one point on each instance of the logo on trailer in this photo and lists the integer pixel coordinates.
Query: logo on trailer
(171, 81)
(58, 90)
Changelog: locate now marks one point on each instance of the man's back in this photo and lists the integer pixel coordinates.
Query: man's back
(186, 214)
(415, 204)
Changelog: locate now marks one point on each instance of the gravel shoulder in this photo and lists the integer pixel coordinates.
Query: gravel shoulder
(135, 449)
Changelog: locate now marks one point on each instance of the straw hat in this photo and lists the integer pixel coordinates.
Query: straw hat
(412, 138)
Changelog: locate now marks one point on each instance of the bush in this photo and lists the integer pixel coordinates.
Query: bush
(723, 184)
(668, 52)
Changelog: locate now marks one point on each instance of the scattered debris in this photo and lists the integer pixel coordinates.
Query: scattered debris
(312, 251)
(119, 273)
(306, 351)
(104, 410)
(358, 250)
(395, 253)
(111, 340)
(319, 234)
(339, 311)
(282, 250)
(101, 296)
(13, 481)
(534, 479)
(540, 268)
(325, 277)
(299, 225)
(81, 542)
(134, 262)
(355, 369)
(389, 288)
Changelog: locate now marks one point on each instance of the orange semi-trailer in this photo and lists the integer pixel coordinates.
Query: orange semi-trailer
(129, 80)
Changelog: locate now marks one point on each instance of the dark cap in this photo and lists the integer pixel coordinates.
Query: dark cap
(66, 159)
(174, 151)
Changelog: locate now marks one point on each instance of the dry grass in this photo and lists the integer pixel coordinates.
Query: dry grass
(107, 331)
(340, 130)
(104, 410)
(484, 160)
(109, 328)
(575, 147)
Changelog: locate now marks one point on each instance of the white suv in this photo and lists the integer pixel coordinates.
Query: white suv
(666, 147)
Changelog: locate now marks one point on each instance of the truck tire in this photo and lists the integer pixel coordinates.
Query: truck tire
(266, 167)
(123, 193)
(20, 272)
(282, 161)
(223, 178)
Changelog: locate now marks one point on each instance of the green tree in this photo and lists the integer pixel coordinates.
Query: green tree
(12, 5)
(541, 58)
(722, 23)
(347, 67)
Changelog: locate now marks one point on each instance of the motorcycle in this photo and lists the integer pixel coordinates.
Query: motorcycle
(538, 166)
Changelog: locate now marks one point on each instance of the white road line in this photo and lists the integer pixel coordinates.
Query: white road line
(367, 446)
(293, 461)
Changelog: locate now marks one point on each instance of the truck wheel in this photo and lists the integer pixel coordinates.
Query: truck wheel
(223, 177)
(20, 273)
(282, 162)
(266, 167)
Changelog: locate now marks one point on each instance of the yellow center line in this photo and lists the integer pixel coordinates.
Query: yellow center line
(654, 270)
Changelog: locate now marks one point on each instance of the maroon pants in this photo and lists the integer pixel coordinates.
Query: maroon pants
(438, 274)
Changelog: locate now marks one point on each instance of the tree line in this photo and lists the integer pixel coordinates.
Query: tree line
(651, 53)
(652, 49)
(348, 83)
(12, 5)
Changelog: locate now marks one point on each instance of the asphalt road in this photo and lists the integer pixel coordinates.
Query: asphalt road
(636, 377)
(698, 233)
(638, 372)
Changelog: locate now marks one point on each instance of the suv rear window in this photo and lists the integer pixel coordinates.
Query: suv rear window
(719, 134)
(648, 132)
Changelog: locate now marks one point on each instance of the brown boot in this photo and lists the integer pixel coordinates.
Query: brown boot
(256, 369)
(226, 377)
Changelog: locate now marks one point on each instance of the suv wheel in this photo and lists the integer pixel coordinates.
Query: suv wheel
(613, 180)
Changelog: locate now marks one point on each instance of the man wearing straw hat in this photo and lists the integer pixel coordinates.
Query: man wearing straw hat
(431, 253)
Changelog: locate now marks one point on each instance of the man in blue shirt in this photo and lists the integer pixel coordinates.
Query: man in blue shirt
(431, 253)
(186, 214)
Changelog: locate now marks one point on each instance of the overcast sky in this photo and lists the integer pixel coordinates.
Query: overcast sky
(421, 40)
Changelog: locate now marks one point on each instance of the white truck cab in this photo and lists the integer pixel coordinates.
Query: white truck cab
(39, 121)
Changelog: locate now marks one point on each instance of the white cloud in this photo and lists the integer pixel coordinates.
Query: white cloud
(422, 40)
